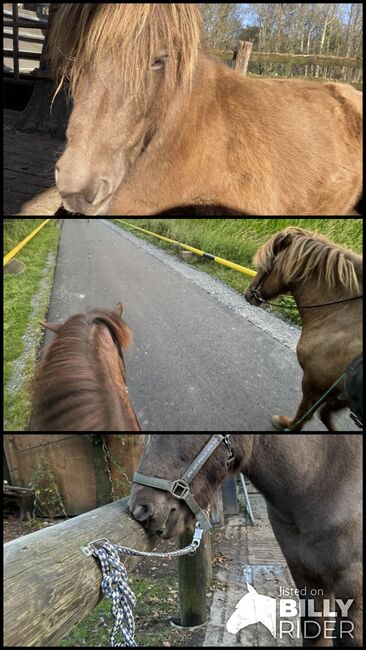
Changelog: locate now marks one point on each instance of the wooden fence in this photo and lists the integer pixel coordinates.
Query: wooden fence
(85, 474)
(50, 586)
(241, 58)
(235, 58)
(21, 46)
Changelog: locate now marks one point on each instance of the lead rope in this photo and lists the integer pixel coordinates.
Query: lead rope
(313, 408)
(115, 582)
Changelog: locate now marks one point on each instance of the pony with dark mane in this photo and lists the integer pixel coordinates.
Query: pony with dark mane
(326, 282)
(313, 488)
(80, 384)
(157, 123)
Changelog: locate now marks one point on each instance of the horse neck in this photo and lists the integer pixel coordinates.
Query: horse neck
(311, 292)
(277, 467)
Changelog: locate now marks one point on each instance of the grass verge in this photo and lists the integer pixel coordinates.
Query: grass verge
(26, 300)
(238, 240)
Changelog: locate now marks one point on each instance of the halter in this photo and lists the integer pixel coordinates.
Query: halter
(180, 489)
(256, 293)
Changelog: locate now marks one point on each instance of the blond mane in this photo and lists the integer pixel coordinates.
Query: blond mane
(310, 253)
(84, 35)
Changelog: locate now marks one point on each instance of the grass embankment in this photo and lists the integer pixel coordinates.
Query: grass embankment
(238, 240)
(27, 295)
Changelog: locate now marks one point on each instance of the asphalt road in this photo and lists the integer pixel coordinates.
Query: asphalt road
(202, 358)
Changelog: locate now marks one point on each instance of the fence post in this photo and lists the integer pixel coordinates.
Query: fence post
(193, 570)
(243, 56)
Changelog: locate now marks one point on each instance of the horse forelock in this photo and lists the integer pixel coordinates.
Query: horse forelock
(85, 35)
(305, 253)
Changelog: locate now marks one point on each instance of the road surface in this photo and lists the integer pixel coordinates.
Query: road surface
(202, 358)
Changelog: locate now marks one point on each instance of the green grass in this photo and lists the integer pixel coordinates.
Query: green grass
(238, 240)
(157, 603)
(26, 301)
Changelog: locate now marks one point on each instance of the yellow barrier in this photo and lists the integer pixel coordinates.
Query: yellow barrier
(197, 251)
(18, 247)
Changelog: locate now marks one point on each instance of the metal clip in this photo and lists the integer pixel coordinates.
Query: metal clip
(197, 539)
(88, 550)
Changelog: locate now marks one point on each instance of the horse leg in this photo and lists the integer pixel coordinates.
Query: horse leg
(316, 630)
(348, 586)
(327, 410)
(280, 422)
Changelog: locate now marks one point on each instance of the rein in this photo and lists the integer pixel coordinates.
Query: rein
(257, 295)
(180, 489)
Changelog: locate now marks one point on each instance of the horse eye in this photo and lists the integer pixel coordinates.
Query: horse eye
(158, 63)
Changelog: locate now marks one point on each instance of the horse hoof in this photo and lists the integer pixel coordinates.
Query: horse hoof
(276, 421)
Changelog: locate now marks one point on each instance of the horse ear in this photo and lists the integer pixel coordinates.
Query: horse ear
(118, 310)
(54, 327)
(282, 241)
(251, 589)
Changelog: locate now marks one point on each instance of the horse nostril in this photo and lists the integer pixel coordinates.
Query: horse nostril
(143, 512)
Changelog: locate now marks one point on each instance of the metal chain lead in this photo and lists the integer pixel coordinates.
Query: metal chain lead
(115, 583)
(90, 549)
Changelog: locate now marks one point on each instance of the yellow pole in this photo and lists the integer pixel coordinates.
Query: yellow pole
(197, 251)
(18, 247)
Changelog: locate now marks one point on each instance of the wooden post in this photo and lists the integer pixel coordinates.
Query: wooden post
(193, 583)
(243, 56)
(50, 586)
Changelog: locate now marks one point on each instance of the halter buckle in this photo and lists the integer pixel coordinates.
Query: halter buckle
(180, 489)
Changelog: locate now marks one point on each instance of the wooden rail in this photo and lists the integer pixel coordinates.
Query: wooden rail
(49, 585)
(12, 21)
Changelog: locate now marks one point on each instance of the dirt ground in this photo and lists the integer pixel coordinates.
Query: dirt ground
(29, 161)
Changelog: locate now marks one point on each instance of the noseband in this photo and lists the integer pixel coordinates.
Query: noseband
(180, 489)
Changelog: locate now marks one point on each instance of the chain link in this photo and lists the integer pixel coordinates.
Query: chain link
(91, 548)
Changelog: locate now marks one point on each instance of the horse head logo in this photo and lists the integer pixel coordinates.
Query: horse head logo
(253, 608)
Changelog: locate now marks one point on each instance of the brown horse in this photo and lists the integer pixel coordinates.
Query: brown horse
(81, 382)
(157, 123)
(326, 282)
(313, 488)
